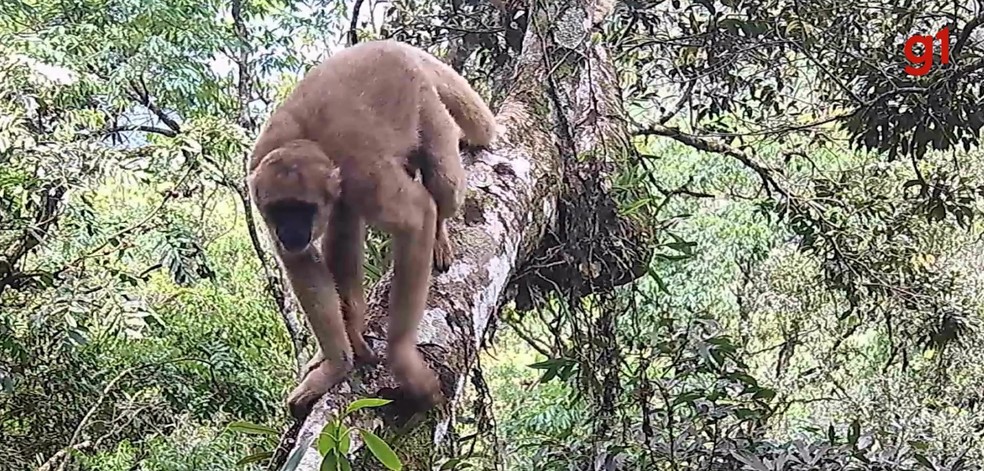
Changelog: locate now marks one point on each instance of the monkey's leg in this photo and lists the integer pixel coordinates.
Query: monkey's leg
(315, 290)
(403, 208)
(343, 247)
(413, 250)
(442, 174)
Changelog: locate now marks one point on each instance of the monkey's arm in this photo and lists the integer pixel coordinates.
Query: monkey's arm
(314, 288)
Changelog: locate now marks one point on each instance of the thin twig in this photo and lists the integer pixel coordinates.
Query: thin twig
(353, 33)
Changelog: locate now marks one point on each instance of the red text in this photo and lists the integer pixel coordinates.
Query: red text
(920, 64)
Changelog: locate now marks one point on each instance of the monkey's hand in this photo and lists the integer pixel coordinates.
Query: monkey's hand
(314, 385)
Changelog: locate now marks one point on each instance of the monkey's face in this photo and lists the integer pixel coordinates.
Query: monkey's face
(294, 223)
(295, 188)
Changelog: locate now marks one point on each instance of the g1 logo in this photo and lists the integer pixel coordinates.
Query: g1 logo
(922, 63)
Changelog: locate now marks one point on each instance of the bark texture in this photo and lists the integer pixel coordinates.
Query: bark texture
(511, 203)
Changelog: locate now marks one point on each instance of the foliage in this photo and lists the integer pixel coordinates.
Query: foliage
(333, 442)
(692, 404)
(132, 312)
(814, 301)
(750, 59)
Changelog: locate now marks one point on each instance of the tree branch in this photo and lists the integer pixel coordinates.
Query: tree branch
(148, 129)
(965, 33)
(137, 225)
(140, 93)
(353, 33)
(33, 236)
(684, 97)
(244, 79)
(73, 441)
(530, 340)
(511, 201)
(708, 145)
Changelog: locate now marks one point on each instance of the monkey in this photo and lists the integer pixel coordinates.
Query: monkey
(341, 152)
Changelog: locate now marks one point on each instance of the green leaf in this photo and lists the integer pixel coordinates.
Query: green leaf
(553, 367)
(923, 461)
(381, 450)
(329, 462)
(750, 460)
(366, 402)
(658, 279)
(688, 397)
(764, 393)
(328, 438)
(636, 205)
(344, 439)
(250, 428)
(549, 374)
(255, 458)
(547, 364)
(685, 247)
(456, 464)
(744, 378)
(449, 464)
(918, 445)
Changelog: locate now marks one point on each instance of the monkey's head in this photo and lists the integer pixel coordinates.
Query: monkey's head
(295, 187)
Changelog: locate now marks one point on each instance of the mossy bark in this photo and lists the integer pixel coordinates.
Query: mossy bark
(512, 200)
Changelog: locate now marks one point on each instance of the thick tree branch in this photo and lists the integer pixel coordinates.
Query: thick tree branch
(967, 70)
(684, 98)
(511, 201)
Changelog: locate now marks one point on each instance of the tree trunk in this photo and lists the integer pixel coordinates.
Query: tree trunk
(511, 202)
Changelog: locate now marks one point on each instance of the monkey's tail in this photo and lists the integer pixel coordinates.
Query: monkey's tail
(473, 116)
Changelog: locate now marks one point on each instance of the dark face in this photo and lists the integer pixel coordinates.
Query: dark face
(292, 221)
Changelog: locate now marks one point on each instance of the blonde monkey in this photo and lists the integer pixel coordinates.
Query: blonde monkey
(341, 152)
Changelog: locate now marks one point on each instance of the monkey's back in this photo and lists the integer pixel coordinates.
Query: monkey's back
(361, 105)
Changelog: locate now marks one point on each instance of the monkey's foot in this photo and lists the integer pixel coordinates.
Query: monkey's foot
(313, 363)
(418, 381)
(443, 253)
(317, 382)
(362, 352)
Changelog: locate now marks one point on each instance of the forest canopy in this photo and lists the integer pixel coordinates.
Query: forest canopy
(713, 235)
